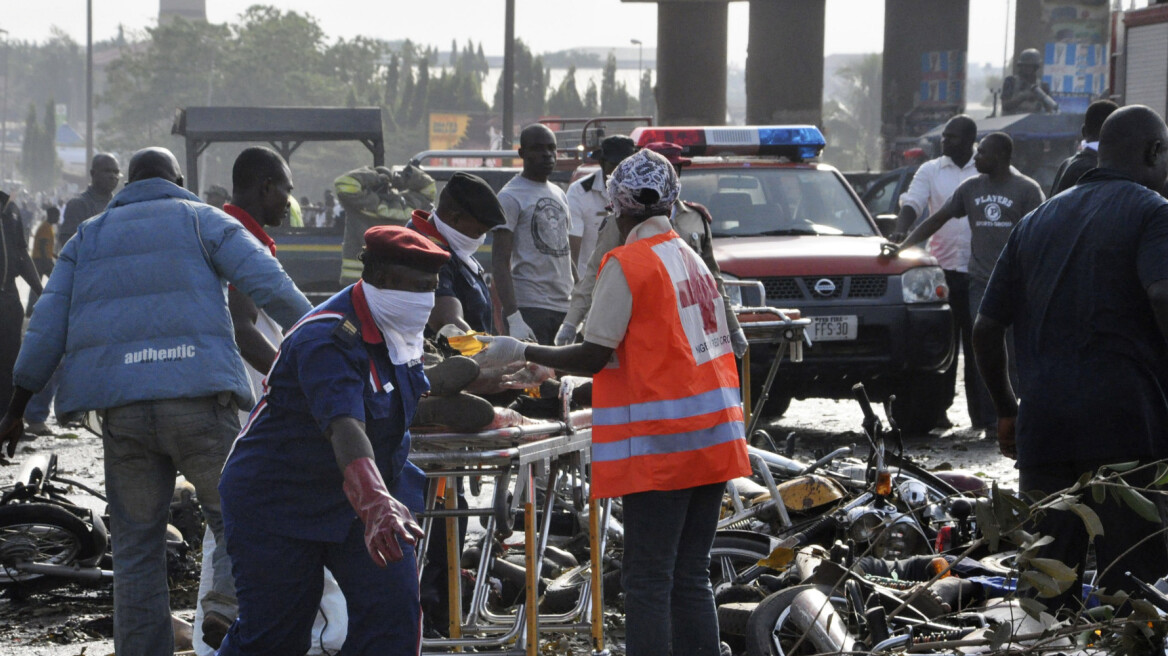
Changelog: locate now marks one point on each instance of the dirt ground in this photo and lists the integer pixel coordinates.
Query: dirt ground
(76, 621)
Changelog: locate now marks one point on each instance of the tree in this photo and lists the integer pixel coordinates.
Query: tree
(591, 101)
(407, 89)
(530, 84)
(392, 78)
(614, 96)
(419, 103)
(177, 64)
(852, 122)
(266, 40)
(38, 156)
(565, 100)
(647, 99)
(29, 151)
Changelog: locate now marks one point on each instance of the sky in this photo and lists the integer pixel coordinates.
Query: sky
(853, 26)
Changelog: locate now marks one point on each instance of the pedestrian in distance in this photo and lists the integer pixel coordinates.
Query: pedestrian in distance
(931, 186)
(1083, 281)
(141, 292)
(531, 255)
(216, 196)
(16, 264)
(667, 414)
(104, 176)
(1087, 158)
(992, 202)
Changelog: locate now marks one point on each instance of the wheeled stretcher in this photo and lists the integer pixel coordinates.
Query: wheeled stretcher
(525, 464)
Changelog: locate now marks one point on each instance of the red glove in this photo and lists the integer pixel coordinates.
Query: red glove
(386, 519)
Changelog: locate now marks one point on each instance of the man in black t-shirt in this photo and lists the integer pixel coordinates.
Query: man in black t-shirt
(1083, 281)
(993, 202)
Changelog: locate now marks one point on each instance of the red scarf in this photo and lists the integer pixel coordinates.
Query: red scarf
(253, 226)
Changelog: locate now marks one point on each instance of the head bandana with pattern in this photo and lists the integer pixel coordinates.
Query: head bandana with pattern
(645, 170)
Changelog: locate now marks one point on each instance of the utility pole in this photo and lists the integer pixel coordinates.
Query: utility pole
(508, 74)
(88, 82)
(640, 59)
(640, 68)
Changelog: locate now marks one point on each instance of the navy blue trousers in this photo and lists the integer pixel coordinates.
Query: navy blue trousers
(278, 582)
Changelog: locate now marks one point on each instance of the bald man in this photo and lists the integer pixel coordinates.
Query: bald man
(992, 202)
(531, 257)
(104, 175)
(141, 293)
(1083, 281)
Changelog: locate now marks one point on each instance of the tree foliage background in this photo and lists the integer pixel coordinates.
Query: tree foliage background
(851, 123)
(38, 156)
(272, 57)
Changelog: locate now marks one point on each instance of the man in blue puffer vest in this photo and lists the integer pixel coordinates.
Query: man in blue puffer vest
(136, 314)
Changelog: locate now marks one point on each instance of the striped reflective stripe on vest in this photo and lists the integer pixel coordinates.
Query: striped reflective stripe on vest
(647, 445)
(690, 406)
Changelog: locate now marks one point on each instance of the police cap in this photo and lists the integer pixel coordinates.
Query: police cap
(474, 196)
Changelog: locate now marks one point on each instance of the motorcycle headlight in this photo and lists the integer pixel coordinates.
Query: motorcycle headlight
(924, 285)
(913, 492)
(902, 538)
(864, 523)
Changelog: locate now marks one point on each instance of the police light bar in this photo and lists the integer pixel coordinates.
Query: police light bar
(795, 142)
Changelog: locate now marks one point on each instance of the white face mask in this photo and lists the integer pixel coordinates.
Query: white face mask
(464, 247)
(401, 317)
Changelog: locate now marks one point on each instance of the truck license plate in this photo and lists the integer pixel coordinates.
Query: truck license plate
(834, 328)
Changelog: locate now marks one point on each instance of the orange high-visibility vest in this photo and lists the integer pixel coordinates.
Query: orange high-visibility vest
(667, 414)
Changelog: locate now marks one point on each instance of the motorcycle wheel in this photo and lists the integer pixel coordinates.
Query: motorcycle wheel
(40, 533)
(563, 593)
(731, 554)
(772, 632)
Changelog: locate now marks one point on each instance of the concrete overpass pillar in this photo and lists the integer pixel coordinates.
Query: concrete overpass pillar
(691, 63)
(784, 62)
(1029, 28)
(925, 45)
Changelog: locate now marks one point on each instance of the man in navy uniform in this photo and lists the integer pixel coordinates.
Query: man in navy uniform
(467, 209)
(308, 483)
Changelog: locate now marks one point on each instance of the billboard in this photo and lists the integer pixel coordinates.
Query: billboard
(1075, 50)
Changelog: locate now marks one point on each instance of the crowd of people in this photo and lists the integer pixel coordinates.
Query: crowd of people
(172, 319)
(1063, 308)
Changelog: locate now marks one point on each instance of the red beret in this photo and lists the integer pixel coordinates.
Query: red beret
(669, 151)
(400, 245)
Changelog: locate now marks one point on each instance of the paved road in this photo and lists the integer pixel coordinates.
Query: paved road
(821, 424)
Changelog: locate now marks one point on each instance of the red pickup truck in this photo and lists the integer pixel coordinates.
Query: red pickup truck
(799, 229)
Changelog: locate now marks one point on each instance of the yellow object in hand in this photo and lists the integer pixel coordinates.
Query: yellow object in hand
(466, 344)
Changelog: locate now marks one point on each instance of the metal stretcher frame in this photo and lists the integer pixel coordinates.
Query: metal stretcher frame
(514, 458)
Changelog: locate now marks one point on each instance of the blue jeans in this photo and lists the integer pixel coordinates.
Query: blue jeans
(145, 444)
(666, 572)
